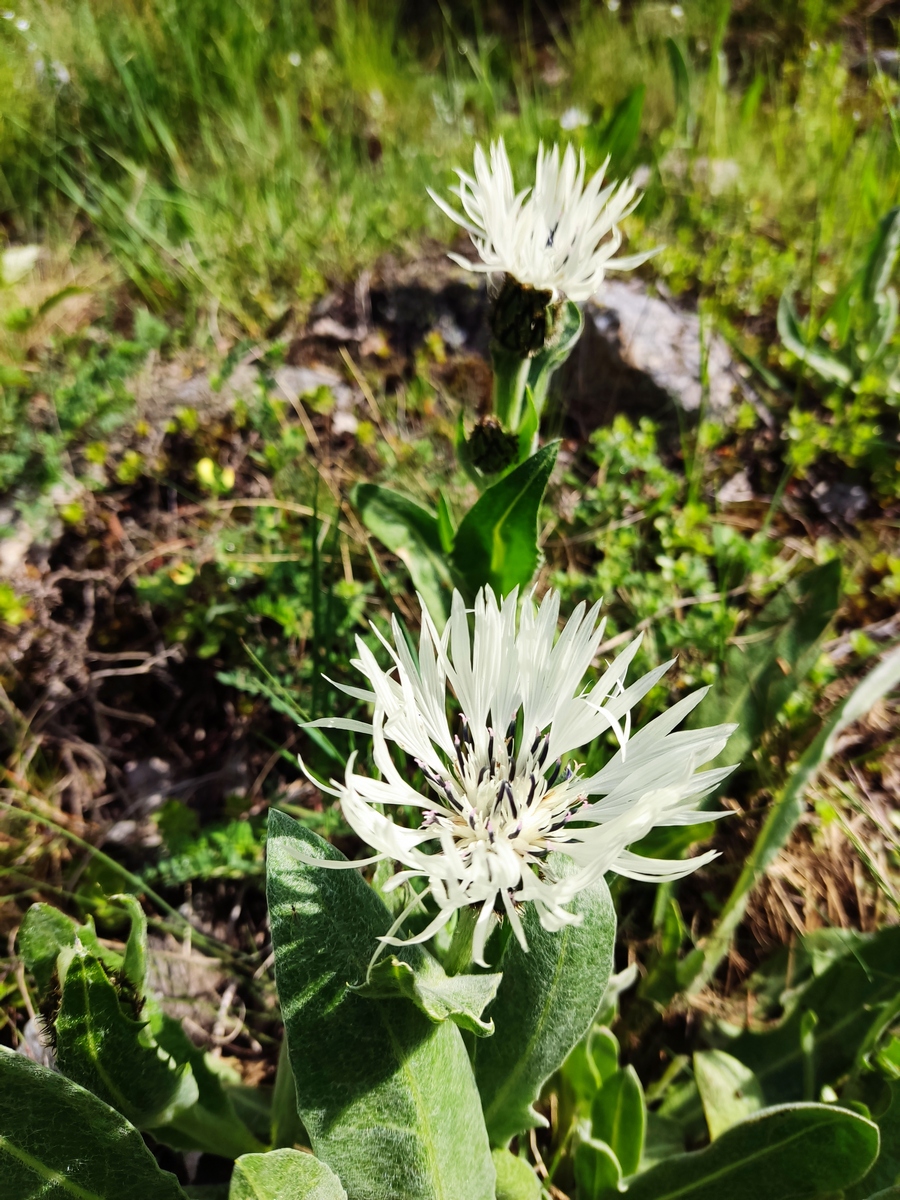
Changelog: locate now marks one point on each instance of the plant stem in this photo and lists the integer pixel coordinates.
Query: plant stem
(460, 953)
(510, 378)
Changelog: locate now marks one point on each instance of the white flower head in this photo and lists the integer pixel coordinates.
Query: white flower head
(560, 235)
(502, 792)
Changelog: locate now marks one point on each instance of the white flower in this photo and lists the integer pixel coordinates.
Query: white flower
(560, 235)
(502, 793)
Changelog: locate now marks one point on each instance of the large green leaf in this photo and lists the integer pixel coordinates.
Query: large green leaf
(496, 542)
(58, 1141)
(785, 1153)
(442, 997)
(284, 1175)
(386, 1095)
(619, 1117)
(775, 654)
(414, 535)
(108, 1051)
(886, 1170)
(843, 999)
(788, 807)
(546, 1002)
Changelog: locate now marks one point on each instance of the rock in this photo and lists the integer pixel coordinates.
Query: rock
(844, 500)
(639, 355)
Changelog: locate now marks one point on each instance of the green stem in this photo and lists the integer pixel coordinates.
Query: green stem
(459, 956)
(510, 379)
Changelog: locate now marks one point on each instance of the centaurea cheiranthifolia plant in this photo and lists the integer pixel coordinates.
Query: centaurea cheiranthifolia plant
(501, 789)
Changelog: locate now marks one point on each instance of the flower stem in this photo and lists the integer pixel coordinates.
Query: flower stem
(459, 956)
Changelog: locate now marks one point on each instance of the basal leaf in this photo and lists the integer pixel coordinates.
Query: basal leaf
(105, 1049)
(458, 998)
(619, 1117)
(414, 535)
(284, 1175)
(597, 1170)
(817, 355)
(59, 1142)
(496, 542)
(546, 1002)
(515, 1178)
(729, 1091)
(786, 1153)
(386, 1095)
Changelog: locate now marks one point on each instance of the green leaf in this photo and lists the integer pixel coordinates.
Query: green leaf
(620, 136)
(386, 1096)
(597, 1170)
(788, 807)
(681, 79)
(818, 355)
(778, 651)
(43, 933)
(210, 1125)
(881, 258)
(619, 1117)
(496, 542)
(287, 1129)
(549, 360)
(730, 1092)
(57, 1141)
(886, 1170)
(782, 1154)
(414, 535)
(109, 1052)
(843, 998)
(459, 998)
(515, 1178)
(545, 1003)
(284, 1175)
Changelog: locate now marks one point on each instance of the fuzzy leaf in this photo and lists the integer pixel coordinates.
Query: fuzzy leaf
(43, 933)
(102, 1048)
(135, 962)
(284, 1175)
(801, 1150)
(730, 1092)
(496, 542)
(597, 1170)
(386, 1096)
(58, 1141)
(546, 1001)
(459, 998)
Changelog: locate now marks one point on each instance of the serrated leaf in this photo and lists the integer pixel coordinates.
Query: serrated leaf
(729, 1091)
(414, 535)
(782, 1154)
(496, 543)
(458, 998)
(102, 1048)
(515, 1178)
(284, 1175)
(818, 355)
(546, 1001)
(58, 1141)
(386, 1096)
(597, 1170)
(619, 1117)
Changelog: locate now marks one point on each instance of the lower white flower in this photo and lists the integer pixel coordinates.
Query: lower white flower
(502, 793)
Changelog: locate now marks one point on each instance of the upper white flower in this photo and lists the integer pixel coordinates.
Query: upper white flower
(502, 792)
(560, 235)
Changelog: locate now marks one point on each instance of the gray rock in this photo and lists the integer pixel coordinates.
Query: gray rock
(639, 355)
